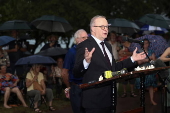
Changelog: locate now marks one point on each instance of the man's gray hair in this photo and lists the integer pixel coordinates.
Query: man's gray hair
(94, 18)
(78, 32)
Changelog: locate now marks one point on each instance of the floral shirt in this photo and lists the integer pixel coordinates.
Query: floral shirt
(7, 83)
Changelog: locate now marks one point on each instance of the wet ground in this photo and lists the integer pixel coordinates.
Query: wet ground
(131, 103)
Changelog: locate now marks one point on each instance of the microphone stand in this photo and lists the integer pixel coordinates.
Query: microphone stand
(142, 83)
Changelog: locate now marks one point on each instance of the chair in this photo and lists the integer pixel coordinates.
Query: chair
(31, 100)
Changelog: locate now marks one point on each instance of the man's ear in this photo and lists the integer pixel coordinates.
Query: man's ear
(92, 29)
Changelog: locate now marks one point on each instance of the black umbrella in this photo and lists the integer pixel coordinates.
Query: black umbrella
(156, 20)
(35, 59)
(24, 37)
(54, 51)
(52, 23)
(15, 25)
(121, 25)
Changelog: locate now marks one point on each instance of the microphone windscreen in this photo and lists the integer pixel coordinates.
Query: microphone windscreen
(163, 73)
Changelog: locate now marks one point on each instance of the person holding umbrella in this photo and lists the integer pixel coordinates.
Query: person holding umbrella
(4, 57)
(53, 42)
(150, 80)
(15, 52)
(35, 75)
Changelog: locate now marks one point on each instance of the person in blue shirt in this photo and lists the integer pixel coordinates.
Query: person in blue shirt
(67, 73)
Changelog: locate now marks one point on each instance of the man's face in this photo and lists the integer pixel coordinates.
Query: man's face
(146, 44)
(99, 32)
(53, 39)
(83, 36)
(60, 62)
(112, 37)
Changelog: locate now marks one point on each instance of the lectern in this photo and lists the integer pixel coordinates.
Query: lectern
(129, 75)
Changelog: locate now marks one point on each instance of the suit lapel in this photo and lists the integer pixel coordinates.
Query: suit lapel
(98, 51)
(110, 49)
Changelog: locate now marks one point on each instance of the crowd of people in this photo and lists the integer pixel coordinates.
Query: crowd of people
(85, 61)
(17, 79)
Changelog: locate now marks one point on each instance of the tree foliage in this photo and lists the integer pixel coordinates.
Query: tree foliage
(79, 12)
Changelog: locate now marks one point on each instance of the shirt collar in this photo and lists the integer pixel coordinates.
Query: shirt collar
(97, 40)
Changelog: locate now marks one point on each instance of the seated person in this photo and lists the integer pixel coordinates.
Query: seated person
(35, 75)
(8, 85)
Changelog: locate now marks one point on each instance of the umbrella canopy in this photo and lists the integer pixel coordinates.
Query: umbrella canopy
(24, 37)
(123, 26)
(157, 30)
(157, 43)
(52, 23)
(35, 59)
(54, 51)
(15, 25)
(5, 40)
(156, 20)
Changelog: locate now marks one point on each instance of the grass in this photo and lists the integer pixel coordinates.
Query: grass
(58, 104)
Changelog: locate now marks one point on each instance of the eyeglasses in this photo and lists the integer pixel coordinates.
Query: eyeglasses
(102, 27)
(84, 37)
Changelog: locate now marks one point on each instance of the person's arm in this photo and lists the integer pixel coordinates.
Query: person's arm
(43, 86)
(23, 49)
(65, 77)
(13, 50)
(152, 57)
(29, 80)
(83, 60)
(164, 57)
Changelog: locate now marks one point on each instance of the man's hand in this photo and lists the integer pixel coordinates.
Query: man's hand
(88, 55)
(138, 56)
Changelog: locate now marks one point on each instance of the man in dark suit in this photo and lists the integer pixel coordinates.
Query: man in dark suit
(92, 60)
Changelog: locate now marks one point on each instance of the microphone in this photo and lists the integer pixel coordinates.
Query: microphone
(132, 40)
(110, 74)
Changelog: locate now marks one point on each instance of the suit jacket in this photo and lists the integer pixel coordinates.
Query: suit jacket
(96, 97)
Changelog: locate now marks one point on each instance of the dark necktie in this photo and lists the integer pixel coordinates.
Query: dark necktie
(105, 54)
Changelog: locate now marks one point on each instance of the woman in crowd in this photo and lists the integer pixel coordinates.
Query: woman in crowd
(4, 58)
(112, 39)
(150, 80)
(34, 75)
(56, 71)
(8, 85)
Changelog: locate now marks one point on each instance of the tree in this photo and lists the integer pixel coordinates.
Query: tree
(79, 12)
